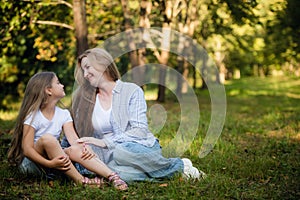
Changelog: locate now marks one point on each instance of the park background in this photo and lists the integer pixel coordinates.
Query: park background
(255, 45)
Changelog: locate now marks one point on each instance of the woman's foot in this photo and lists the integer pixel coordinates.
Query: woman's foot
(117, 182)
(189, 171)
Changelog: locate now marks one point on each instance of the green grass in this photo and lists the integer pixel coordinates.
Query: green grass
(256, 157)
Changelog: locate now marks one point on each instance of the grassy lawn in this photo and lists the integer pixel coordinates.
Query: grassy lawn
(256, 157)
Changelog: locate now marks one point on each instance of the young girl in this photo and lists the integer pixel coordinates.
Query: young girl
(35, 146)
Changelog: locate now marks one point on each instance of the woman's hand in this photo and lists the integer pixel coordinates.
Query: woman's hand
(92, 140)
(87, 140)
(87, 152)
(62, 162)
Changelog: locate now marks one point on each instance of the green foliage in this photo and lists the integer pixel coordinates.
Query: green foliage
(105, 19)
(16, 49)
(282, 35)
(255, 36)
(27, 47)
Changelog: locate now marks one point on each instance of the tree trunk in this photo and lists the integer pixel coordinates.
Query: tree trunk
(194, 78)
(204, 73)
(185, 75)
(164, 57)
(180, 63)
(133, 54)
(219, 56)
(186, 26)
(144, 22)
(80, 25)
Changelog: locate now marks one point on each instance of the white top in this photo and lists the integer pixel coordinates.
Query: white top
(42, 125)
(128, 117)
(101, 118)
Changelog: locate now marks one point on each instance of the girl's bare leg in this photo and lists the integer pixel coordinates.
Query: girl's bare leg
(94, 164)
(48, 145)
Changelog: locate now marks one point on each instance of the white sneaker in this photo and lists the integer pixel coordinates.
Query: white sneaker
(191, 172)
(202, 174)
(187, 162)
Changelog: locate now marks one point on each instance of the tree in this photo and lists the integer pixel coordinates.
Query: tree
(282, 42)
(80, 23)
(133, 54)
(16, 50)
(30, 45)
(163, 56)
(255, 37)
(188, 19)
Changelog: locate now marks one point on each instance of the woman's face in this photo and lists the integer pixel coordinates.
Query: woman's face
(95, 77)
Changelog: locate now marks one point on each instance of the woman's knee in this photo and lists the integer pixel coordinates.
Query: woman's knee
(132, 152)
(123, 155)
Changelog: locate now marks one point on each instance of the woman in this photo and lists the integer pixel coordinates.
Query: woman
(112, 116)
(35, 147)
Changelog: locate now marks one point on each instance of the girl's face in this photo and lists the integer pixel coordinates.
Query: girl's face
(95, 77)
(57, 89)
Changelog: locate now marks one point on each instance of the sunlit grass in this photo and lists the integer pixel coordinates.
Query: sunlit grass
(265, 86)
(256, 157)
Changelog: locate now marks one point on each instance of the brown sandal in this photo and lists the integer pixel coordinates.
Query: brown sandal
(118, 183)
(92, 182)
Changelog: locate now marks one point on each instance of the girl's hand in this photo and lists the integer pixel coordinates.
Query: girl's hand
(92, 140)
(61, 163)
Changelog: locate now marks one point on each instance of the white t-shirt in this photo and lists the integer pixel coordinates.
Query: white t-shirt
(42, 125)
(101, 119)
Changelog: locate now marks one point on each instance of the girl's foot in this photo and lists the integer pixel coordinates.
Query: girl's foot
(92, 182)
(117, 182)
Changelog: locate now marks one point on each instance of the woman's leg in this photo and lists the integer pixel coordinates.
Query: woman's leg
(49, 146)
(147, 159)
(128, 173)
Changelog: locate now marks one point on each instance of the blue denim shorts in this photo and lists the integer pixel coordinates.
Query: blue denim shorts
(28, 167)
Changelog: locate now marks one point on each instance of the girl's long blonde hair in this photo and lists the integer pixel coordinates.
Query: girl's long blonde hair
(34, 99)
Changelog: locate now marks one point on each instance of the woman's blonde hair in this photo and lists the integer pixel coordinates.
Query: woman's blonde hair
(35, 98)
(84, 96)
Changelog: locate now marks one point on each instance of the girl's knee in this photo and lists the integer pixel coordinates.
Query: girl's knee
(47, 142)
(47, 139)
(74, 152)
